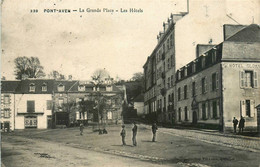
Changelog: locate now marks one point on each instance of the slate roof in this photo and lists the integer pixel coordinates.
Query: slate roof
(23, 87)
(9, 86)
(250, 33)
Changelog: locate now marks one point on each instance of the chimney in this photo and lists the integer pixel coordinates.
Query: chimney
(24, 76)
(70, 78)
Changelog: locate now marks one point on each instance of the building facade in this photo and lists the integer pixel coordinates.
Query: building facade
(33, 104)
(7, 118)
(222, 83)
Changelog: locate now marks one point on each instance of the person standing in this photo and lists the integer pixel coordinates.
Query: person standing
(81, 127)
(134, 129)
(154, 129)
(241, 124)
(123, 134)
(235, 122)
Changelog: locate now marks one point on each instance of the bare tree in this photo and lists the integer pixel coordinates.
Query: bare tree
(99, 76)
(56, 75)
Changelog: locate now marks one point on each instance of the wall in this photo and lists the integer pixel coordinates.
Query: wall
(8, 106)
(234, 93)
(200, 98)
(40, 106)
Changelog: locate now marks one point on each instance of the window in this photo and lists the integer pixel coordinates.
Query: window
(49, 104)
(186, 113)
(179, 114)
(204, 111)
(32, 87)
(44, 87)
(6, 113)
(30, 106)
(168, 82)
(171, 40)
(61, 87)
(214, 56)
(172, 81)
(214, 81)
(168, 46)
(109, 115)
(81, 88)
(248, 79)
(203, 85)
(193, 89)
(109, 88)
(248, 112)
(179, 93)
(185, 92)
(172, 61)
(168, 63)
(6, 99)
(214, 108)
(247, 108)
(60, 102)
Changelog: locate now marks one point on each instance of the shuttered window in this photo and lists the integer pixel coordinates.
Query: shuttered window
(30, 106)
(49, 105)
(248, 79)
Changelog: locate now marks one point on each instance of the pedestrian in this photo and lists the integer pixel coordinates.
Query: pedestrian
(241, 124)
(154, 129)
(134, 134)
(235, 122)
(123, 134)
(81, 127)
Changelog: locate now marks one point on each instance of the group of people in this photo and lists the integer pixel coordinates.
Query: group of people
(241, 124)
(134, 130)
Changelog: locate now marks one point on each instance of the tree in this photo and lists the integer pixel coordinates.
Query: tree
(30, 67)
(99, 76)
(139, 76)
(56, 75)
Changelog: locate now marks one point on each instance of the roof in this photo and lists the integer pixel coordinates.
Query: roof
(139, 98)
(23, 86)
(250, 33)
(68, 85)
(9, 86)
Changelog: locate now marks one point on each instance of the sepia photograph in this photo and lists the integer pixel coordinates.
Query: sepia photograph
(130, 83)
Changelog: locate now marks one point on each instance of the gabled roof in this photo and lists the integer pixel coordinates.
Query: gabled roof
(250, 33)
(23, 86)
(9, 86)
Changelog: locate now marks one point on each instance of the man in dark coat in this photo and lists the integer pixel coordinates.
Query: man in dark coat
(134, 129)
(154, 129)
(81, 127)
(241, 124)
(235, 122)
(123, 134)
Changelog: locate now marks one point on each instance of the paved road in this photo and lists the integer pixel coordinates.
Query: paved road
(173, 147)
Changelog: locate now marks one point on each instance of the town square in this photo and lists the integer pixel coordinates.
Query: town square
(130, 83)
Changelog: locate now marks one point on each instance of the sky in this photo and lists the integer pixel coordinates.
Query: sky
(78, 43)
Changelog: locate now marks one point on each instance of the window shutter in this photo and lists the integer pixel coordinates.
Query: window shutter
(210, 82)
(217, 80)
(255, 79)
(242, 79)
(242, 108)
(206, 84)
(252, 108)
(218, 112)
(9, 113)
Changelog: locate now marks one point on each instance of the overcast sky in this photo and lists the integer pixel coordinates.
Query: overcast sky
(79, 43)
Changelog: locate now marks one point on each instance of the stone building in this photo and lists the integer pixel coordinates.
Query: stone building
(222, 83)
(7, 118)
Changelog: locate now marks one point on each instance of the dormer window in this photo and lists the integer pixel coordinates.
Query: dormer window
(81, 88)
(32, 87)
(61, 87)
(109, 88)
(44, 87)
(203, 62)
